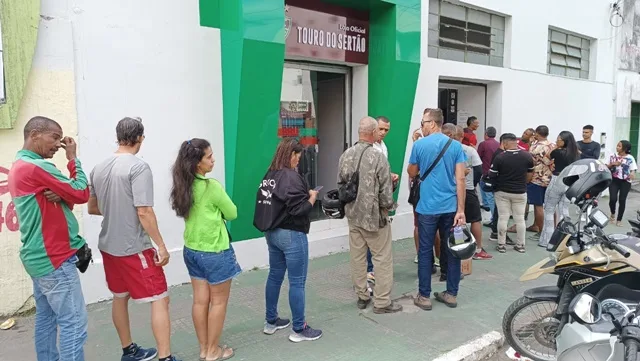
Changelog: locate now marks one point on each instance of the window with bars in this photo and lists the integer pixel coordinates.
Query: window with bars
(464, 34)
(568, 55)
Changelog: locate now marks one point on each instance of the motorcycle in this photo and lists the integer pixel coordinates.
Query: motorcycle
(605, 326)
(635, 225)
(578, 256)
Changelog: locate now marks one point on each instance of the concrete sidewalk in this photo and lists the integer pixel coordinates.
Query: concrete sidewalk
(349, 334)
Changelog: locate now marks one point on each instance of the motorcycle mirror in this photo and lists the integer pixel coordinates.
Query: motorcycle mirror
(585, 309)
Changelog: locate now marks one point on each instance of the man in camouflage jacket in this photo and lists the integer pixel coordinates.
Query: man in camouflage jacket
(368, 216)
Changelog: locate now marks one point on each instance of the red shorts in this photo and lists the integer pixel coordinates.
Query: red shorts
(136, 276)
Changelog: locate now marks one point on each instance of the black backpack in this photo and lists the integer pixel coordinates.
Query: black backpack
(348, 192)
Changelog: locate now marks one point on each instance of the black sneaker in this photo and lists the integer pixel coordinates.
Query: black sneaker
(307, 334)
(362, 304)
(520, 249)
(501, 248)
(140, 354)
(510, 242)
(493, 237)
(279, 324)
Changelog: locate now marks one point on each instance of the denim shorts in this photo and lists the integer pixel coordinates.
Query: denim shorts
(215, 268)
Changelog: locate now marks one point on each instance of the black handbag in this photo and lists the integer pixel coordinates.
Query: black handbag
(414, 190)
(84, 258)
(348, 192)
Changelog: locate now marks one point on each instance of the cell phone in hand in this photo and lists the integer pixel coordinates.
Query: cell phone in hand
(318, 188)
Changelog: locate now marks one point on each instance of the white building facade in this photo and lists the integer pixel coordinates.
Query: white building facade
(231, 73)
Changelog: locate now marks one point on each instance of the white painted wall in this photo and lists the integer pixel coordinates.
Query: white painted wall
(151, 59)
(522, 94)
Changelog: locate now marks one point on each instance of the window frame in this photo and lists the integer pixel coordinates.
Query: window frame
(565, 57)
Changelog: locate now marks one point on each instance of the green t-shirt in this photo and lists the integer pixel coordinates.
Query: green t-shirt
(205, 228)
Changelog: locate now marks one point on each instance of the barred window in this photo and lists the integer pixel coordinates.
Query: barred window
(464, 34)
(568, 55)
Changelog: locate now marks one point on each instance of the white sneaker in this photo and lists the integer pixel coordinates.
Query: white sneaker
(416, 260)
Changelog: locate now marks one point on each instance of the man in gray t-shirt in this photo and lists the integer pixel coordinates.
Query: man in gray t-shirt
(122, 192)
(121, 183)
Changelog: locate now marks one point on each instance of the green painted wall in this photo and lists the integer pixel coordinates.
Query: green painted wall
(252, 46)
(19, 20)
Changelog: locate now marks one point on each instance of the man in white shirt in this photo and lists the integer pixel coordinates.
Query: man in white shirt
(384, 124)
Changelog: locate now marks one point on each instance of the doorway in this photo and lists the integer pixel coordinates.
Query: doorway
(460, 100)
(315, 109)
(634, 128)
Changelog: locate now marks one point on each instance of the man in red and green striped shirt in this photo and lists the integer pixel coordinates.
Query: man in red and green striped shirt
(44, 198)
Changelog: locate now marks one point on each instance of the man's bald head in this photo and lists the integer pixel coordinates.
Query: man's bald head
(40, 124)
(367, 129)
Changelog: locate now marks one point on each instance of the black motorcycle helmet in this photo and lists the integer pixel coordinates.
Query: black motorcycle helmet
(467, 248)
(332, 206)
(586, 179)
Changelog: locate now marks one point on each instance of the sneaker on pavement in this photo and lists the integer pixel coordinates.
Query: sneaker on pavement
(482, 255)
(362, 304)
(520, 249)
(140, 354)
(501, 248)
(423, 302)
(446, 298)
(416, 260)
(392, 308)
(493, 237)
(279, 324)
(307, 334)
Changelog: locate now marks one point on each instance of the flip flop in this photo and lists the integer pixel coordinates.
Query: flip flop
(205, 358)
(222, 357)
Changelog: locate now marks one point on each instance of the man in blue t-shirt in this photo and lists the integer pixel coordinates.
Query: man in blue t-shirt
(441, 205)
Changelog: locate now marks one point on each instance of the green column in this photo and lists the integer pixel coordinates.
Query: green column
(252, 46)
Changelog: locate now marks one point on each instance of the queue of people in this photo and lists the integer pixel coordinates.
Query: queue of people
(445, 168)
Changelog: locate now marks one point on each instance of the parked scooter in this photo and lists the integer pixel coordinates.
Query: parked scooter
(605, 326)
(635, 225)
(581, 253)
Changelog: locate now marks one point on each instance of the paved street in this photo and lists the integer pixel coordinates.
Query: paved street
(349, 333)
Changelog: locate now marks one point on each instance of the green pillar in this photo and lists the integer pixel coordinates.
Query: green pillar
(252, 46)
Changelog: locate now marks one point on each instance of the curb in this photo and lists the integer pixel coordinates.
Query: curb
(475, 350)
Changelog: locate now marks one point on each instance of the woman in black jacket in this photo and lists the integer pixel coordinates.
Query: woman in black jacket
(283, 204)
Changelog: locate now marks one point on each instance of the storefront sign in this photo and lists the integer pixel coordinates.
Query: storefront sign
(326, 36)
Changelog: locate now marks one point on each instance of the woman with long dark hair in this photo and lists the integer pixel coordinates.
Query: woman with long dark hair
(566, 152)
(208, 254)
(623, 169)
(283, 204)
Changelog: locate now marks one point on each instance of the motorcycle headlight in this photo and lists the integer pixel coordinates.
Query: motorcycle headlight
(585, 309)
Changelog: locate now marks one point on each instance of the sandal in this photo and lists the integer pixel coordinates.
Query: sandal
(222, 357)
(612, 218)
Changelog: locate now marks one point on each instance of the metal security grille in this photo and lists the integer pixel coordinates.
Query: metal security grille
(464, 34)
(568, 55)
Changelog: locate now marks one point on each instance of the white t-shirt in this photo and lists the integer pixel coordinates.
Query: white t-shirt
(473, 160)
(381, 147)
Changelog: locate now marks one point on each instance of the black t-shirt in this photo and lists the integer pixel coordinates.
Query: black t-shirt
(510, 170)
(560, 160)
(589, 150)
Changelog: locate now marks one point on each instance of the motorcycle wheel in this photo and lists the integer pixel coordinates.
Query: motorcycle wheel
(535, 337)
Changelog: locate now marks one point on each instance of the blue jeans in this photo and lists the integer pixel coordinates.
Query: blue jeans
(428, 225)
(488, 199)
(288, 251)
(369, 261)
(60, 305)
